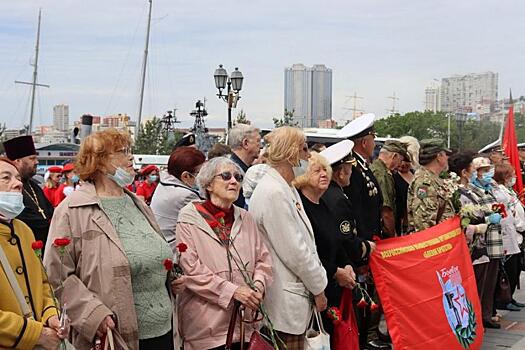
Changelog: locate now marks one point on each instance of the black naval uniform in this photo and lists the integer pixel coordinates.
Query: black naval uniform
(366, 201)
(330, 247)
(341, 210)
(37, 212)
(365, 197)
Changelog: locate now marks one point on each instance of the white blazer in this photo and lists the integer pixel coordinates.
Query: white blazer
(288, 234)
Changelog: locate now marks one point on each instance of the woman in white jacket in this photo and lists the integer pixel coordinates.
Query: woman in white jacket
(511, 227)
(276, 206)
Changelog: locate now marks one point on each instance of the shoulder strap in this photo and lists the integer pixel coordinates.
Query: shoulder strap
(14, 285)
(231, 326)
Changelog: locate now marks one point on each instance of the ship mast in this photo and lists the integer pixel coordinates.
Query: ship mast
(144, 65)
(35, 75)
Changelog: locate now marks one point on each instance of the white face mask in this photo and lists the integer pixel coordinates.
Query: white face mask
(301, 168)
(122, 177)
(11, 204)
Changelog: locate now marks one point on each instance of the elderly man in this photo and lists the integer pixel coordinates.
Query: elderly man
(429, 202)
(38, 210)
(390, 157)
(245, 142)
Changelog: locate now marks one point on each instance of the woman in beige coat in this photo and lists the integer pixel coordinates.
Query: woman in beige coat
(111, 275)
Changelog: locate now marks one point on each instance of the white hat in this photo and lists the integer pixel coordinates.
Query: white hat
(339, 153)
(481, 162)
(362, 126)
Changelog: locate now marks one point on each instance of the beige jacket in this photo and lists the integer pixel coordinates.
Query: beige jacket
(96, 274)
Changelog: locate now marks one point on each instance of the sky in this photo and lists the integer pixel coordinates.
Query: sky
(91, 53)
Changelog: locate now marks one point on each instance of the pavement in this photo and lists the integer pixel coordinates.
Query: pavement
(512, 332)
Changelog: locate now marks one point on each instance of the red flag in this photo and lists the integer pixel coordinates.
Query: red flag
(427, 288)
(510, 147)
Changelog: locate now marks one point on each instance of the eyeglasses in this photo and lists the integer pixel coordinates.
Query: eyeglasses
(227, 175)
(126, 151)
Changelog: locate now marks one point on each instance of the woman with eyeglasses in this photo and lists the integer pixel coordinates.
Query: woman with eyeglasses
(277, 208)
(226, 262)
(111, 275)
(177, 187)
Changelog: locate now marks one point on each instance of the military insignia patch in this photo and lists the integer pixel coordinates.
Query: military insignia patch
(345, 227)
(422, 192)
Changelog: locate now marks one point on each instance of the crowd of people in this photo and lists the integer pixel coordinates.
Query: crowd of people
(250, 241)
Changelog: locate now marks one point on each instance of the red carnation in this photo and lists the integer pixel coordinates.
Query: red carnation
(362, 303)
(219, 215)
(37, 245)
(61, 242)
(168, 264)
(376, 238)
(182, 247)
(334, 314)
(374, 306)
(214, 224)
(500, 209)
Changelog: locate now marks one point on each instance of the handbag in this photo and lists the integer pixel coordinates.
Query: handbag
(257, 342)
(346, 335)
(114, 341)
(503, 293)
(316, 339)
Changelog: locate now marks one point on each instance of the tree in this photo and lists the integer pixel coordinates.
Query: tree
(286, 120)
(154, 139)
(241, 119)
(422, 125)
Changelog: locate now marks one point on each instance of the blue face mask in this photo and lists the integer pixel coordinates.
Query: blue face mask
(75, 179)
(121, 177)
(11, 204)
(152, 178)
(486, 178)
(473, 176)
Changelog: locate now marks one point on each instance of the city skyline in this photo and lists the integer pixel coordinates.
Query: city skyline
(92, 61)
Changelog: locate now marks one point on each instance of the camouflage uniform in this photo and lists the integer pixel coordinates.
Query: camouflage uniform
(427, 203)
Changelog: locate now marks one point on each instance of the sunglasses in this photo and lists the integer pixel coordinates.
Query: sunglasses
(227, 175)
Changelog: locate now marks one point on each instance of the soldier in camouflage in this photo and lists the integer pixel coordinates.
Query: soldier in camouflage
(390, 157)
(429, 201)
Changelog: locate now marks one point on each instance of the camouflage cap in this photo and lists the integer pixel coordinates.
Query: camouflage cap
(397, 147)
(430, 149)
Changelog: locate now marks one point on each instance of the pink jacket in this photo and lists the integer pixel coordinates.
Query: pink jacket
(205, 307)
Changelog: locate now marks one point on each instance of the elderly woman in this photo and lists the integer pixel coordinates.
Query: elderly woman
(278, 210)
(177, 187)
(226, 260)
(111, 275)
(329, 235)
(17, 330)
(512, 225)
(147, 187)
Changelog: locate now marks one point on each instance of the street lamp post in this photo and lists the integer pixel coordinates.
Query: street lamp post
(460, 120)
(233, 85)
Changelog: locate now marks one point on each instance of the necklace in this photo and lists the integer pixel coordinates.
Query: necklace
(34, 198)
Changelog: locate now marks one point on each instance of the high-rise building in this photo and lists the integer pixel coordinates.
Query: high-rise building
(308, 93)
(432, 98)
(61, 117)
(469, 93)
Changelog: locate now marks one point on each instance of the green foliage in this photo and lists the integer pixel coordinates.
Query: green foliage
(153, 139)
(422, 125)
(241, 119)
(287, 119)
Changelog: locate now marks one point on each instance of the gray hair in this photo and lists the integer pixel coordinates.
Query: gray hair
(238, 133)
(209, 170)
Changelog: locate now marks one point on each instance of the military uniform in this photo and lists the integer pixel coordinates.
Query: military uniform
(428, 202)
(365, 196)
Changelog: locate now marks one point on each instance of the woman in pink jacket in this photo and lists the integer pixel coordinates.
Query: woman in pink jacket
(225, 262)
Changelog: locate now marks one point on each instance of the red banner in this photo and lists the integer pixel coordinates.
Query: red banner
(428, 289)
